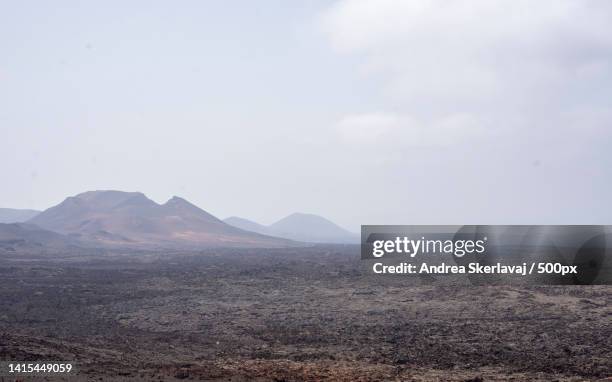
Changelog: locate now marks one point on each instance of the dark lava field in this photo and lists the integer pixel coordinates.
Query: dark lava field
(309, 314)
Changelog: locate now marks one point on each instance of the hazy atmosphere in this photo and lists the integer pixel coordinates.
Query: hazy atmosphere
(433, 112)
(338, 190)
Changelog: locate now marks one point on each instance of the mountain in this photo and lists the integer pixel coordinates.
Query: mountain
(299, 227)
(248, 225)
(311, 228)
(131, 219)
(19, 236)
(10, 215)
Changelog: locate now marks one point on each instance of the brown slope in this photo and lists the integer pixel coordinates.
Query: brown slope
(131, 219)
(18, 237)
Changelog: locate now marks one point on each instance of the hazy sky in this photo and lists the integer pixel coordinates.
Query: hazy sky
(366, 112)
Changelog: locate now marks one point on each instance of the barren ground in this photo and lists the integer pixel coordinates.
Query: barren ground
(291, 315)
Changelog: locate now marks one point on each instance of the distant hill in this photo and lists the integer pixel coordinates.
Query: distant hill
(11, 215)
(311, 228)
(299, 227)
(132, 219)
(248, 225)
(28, 237)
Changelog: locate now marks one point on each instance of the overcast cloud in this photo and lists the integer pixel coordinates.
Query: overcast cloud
(366, 112)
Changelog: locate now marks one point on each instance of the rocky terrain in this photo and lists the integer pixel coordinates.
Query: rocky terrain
(298, 314)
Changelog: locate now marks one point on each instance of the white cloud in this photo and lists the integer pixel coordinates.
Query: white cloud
(392, 130)
(473, 53)
(368, 128)
(501, 109)
(533, 76)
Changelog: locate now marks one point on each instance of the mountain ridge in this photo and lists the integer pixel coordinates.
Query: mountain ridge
(28, 237)
(14, 215)
(109, 217)
(300, 227)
